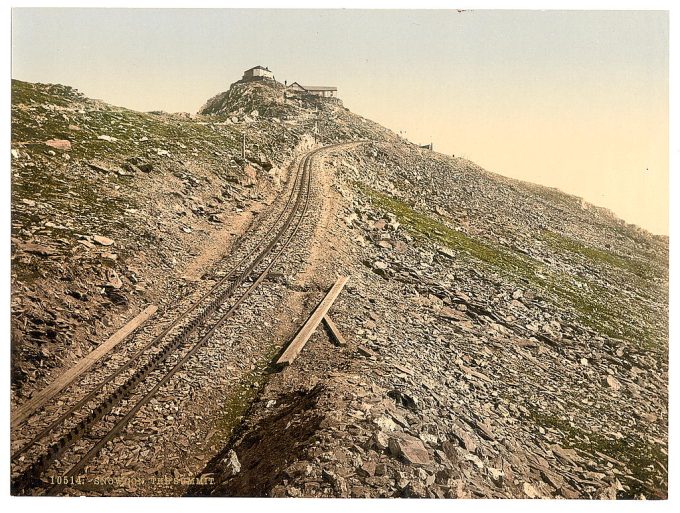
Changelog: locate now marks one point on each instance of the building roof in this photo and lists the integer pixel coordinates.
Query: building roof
(320, 88)
(258, 67)
(313, 88)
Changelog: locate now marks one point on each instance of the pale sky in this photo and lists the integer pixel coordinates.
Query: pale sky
(572, 99)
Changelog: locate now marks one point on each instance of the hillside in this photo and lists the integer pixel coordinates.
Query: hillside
(504, 339)
(145, 181)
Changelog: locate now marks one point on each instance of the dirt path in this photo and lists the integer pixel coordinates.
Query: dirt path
(222, 242)
(284, 436)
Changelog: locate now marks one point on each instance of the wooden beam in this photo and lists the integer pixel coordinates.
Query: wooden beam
(293, 350)
(40, 398)
(334, 331)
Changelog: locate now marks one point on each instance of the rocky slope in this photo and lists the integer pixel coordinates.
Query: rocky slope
(110, 207)
(504, 339)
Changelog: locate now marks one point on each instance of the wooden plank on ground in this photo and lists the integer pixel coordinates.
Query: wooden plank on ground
(294, 348)
(47, 393)
(335, 331)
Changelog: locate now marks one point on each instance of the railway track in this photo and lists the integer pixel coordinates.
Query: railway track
(62, 445)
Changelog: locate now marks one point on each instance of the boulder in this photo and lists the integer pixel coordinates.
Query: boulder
(410, 450)
(60, 144)
(104, 241)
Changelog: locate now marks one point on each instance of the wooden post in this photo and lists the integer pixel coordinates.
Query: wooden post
(47, 393)
(243, 146)
(334, 331)
(303, 335)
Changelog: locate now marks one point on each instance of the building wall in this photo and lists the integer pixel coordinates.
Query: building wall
(262, 73)
(257, 73)
(297, 88)
(325, 94)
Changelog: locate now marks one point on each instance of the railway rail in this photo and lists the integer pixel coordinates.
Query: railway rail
(97, 415)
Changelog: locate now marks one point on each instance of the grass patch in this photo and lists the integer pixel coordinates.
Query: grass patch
(422, 225)
(647, 462)
(55, 94)
(235, 408)
(596, 306)
(238, 403)
(41, 112)
(598, 256)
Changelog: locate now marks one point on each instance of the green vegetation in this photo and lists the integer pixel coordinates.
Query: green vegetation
(596, 306)
(235, 408)
(41, 112)
(555, 197)
(242, 397)
(425, 226)
(598, 256)
(38, 116)
(647, 462)
(27, 93)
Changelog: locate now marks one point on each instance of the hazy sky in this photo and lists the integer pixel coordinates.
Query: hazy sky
(572, 99)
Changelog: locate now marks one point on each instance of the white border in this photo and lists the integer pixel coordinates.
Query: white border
(332, 505)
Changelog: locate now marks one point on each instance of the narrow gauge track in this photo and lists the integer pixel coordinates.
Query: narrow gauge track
(253, 268)
(155, 342)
